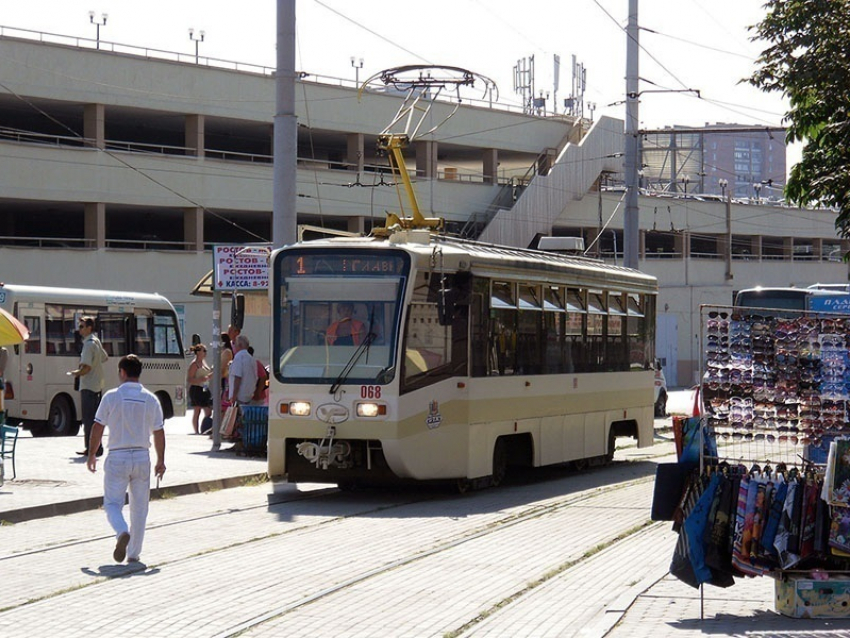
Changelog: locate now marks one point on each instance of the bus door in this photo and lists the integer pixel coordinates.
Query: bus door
(33, 363)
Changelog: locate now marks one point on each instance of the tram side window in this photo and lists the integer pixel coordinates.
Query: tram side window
(597, 325)
(531, 342)
(557, 357)
(502, 340)
(616, 357)
(433, 352)
(637, 334)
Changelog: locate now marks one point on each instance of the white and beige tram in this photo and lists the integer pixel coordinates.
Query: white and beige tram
(459, 359)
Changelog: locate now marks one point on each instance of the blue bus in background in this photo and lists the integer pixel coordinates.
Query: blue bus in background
(829, 298)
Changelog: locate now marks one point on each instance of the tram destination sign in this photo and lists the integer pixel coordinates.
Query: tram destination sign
(311, 264)
(241, 266)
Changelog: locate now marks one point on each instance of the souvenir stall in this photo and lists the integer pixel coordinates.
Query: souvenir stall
(770, 496)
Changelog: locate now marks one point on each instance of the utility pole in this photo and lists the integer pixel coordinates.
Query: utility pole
(284, 219)
(631, 228)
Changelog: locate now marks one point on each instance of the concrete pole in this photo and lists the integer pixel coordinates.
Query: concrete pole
(215, 349)
(631, 223)
(284, 219)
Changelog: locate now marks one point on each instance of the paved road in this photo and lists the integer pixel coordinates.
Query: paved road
(559, 555)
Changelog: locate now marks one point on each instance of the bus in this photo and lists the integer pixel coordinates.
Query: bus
(833, 298)
(38, 391)
(461, 359)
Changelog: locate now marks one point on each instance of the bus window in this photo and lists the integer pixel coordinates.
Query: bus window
(33, 344)
(113, 333)
(143, 330)
(166, 337)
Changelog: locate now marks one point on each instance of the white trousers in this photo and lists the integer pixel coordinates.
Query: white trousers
(123, 470)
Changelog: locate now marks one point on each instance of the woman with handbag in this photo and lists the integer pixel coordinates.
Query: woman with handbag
(197, 377)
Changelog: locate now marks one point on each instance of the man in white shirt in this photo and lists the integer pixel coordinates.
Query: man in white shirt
(132, 413)
(243, 372)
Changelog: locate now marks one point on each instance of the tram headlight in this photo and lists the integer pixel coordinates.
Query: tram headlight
(371, 409)
(296, 408)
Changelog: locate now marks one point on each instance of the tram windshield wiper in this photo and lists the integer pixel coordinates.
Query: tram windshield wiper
(363, 347)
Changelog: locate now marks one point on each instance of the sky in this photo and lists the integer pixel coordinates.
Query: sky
(702, 45)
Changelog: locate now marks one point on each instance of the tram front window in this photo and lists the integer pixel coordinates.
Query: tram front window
(319, 333)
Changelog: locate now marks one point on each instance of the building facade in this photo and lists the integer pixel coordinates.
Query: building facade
(120, 170)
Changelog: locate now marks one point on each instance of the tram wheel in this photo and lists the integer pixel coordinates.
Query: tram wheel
(612, 447)
(500, 463)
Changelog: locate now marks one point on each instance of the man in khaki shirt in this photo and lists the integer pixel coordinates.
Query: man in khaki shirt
(90, 373)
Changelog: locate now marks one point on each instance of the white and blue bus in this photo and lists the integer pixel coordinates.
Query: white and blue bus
(834, 298)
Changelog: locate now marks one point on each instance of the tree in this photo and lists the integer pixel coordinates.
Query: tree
(808, 61)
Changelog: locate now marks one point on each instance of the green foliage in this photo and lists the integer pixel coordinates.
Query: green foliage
(808, 61)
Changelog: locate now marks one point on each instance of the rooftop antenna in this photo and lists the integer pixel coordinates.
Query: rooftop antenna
(524, 82)
(422, 85)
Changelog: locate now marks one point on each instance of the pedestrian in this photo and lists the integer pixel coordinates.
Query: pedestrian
(197, 378)
(243, 373)
(90, 374)
(132, 413)
(226, 358)
(261, 391)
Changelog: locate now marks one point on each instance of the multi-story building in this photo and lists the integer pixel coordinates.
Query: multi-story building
(121, 167)
(746, 161)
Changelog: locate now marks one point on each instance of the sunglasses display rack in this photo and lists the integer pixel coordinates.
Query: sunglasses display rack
(775, 392)
(775, 389)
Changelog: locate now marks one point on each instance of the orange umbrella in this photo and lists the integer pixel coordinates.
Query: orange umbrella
(12, 331)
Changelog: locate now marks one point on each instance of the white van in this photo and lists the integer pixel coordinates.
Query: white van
(38, 391)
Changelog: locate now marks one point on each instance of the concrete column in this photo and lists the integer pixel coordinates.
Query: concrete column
(680, 244)
(95, 225)
(94, 125)
(642, 244)
(788, 248)
(357, 225)
(491, 166)
(817, 249)
(757, 247)
(354, 153)
(426, 159)
(194, 134)
(193, 228)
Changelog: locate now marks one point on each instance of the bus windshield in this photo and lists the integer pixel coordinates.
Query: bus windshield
(339, 316)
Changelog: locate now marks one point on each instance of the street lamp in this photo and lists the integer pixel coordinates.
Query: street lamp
(591, 106)
(98, 24)
(197, 41)
(757, 189)
(357, 65)
(685, 181)
(723, 183)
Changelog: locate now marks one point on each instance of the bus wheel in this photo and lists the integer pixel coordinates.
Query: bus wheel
(165, 404)
(60, 419)
(500, 463)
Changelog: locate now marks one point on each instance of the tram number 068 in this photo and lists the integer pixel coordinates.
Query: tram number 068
(370, 392)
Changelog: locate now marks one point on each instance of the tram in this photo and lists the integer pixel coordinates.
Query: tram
(459, 359)
(410, 355)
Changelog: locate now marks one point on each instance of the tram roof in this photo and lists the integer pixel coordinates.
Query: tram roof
(495, 260)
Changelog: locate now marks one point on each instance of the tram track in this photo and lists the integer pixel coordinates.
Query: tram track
(472, 535)
(586, 486)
